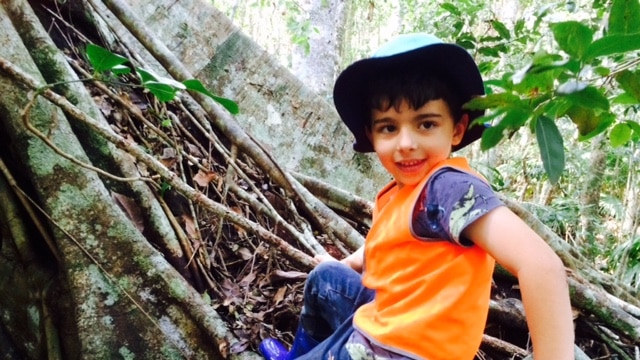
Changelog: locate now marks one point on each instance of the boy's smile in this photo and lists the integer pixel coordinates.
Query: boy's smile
(409, 142)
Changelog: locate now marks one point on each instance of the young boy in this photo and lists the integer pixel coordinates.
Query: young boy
(420, 286)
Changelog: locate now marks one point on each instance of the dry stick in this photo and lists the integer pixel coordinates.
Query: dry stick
(225, 123)
(357, 208)
(171, 178)
(503, 347)
(609, 341)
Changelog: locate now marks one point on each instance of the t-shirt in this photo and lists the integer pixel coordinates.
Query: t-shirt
(452, 199)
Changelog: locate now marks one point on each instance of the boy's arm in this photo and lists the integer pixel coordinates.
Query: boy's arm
(541, 275)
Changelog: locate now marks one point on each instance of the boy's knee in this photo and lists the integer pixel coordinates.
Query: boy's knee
(324, 274)
(327, 269)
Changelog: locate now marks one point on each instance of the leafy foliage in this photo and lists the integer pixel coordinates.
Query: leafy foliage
(163, 88)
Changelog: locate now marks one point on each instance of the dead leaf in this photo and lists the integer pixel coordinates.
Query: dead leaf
(131, 208)
(279, 296)
(204, 178)
(247, 280)
(244, 253)
(190, 227)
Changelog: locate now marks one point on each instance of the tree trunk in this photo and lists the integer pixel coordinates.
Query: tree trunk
(590, 198)
(317, 65)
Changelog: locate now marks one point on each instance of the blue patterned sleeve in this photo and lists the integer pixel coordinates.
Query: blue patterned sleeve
(451, 200)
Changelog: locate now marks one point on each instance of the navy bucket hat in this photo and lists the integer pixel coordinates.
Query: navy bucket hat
(408, 51)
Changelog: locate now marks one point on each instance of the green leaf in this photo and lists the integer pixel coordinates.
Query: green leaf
(624, 17)
(501, 29)
(624, 99)
(149, 76)
(162, 91)
(491, 137)
(551, 148)
(145, 75)
(572, 37)
(612, 44)
(491, 101)
(630, 83)
(518, 27)
(102, 59)
(589, 97)
(490, 51)
(634, 126)
(604, 120)
(515, 118)
(620, 134)
(585, 119)
(451, 8)
(196, 85)
(121, 70)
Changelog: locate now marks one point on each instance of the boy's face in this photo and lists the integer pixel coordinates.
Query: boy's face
(409, 142)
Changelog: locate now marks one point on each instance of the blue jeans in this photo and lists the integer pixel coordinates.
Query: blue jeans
(332, 294)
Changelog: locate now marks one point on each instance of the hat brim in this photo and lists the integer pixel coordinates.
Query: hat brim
(450, 61)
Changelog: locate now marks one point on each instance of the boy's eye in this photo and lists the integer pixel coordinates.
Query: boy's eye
(427, 124)
(385, 128)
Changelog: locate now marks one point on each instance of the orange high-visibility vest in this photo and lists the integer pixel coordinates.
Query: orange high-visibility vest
(432, 297)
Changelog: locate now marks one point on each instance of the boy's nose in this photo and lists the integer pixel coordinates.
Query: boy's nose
(406, 140)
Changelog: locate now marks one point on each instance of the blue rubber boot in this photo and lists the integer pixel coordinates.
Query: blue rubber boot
(273, 349)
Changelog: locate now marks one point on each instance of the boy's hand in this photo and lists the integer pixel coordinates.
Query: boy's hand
(353, 261)
(322, 258)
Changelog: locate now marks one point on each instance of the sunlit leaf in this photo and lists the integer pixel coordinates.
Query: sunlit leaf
(612, 44)
(146, 75)
(102, 59)
(620, 134)
(196, 85)
(162, 91)
(572, 37)
(121, 70)
(150, 76)
(551, 147)
(624, 17)
(571, 86)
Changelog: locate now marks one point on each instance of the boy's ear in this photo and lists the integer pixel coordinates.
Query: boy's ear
(459, 129)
